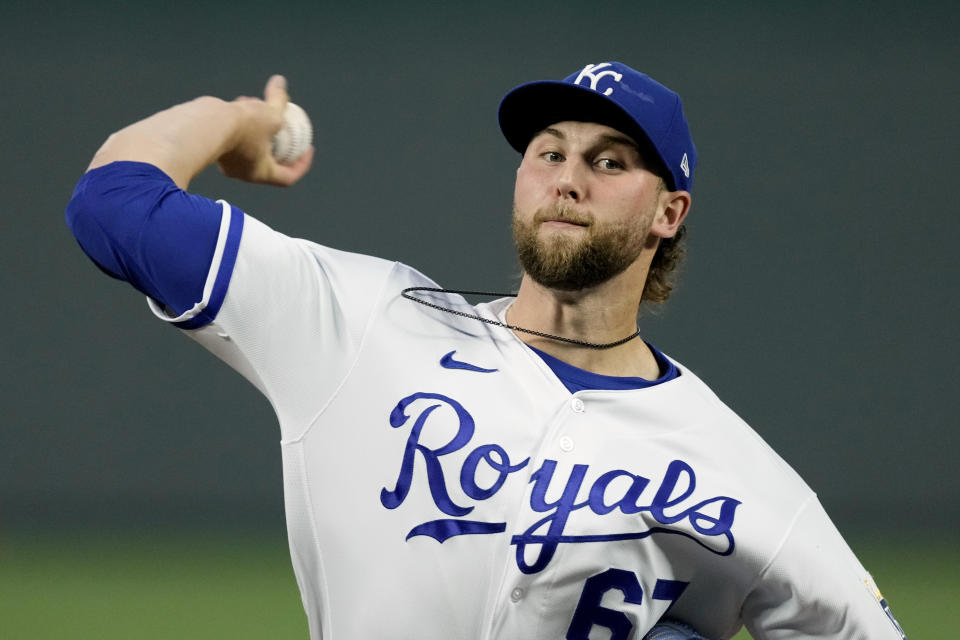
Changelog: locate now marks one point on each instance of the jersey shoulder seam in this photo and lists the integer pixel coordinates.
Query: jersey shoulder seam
(811, 497)
(356, 356)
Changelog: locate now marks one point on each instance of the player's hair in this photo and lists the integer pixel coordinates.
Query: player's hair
(661, 276)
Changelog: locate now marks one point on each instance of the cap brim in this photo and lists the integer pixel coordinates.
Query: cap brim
(532, 107)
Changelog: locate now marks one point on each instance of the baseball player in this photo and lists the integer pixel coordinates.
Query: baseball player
(523, 468)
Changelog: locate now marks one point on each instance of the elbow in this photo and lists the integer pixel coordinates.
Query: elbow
(104, 198)
(93, 219)
(115, 201)
(79, 209)
(82, 216)
(87, 217)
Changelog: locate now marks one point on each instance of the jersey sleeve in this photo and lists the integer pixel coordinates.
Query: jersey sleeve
(816, 588)
(134, 222)
(287, 314)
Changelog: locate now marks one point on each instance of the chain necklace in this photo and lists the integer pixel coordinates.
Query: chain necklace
(592, 345)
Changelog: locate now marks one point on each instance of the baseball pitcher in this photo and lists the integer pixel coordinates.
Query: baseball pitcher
(525, 468)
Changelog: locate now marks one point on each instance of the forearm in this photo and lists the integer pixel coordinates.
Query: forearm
(181, 141)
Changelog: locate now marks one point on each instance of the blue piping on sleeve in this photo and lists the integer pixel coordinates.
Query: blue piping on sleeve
(227, 262)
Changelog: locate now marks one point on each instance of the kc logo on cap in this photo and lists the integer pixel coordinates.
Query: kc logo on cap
(588, 72)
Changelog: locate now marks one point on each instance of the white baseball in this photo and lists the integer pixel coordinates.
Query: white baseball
(295, 137)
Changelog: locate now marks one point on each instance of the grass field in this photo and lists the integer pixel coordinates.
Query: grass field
(240, 586)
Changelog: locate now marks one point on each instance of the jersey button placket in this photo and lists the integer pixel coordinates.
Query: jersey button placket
(517, 595)
(565, 442)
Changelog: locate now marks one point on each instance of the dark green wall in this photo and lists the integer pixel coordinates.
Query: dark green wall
(817, 300)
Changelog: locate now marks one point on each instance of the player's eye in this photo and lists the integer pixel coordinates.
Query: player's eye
(553, 156)
(608, 164)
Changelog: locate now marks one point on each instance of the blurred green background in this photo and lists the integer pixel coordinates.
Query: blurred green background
(818, 299)
(196, 584)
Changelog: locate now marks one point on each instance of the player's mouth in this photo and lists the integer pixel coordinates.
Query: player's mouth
(562, 218)
(562, 223)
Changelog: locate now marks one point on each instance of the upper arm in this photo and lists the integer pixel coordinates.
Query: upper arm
(137, 225)
(287, 314)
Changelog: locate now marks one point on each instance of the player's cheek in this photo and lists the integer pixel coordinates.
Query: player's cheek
(533, 182)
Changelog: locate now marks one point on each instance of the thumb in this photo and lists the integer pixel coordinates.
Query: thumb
(275, 93)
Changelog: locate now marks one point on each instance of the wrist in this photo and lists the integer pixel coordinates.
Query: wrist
(223, 120)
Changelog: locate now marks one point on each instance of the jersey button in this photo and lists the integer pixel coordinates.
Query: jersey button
(566, 444)
(516, 595)
(577, 405)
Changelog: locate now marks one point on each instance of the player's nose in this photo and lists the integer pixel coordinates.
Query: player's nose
(570, 182)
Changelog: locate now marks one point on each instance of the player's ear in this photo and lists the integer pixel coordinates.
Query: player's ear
(671, 212)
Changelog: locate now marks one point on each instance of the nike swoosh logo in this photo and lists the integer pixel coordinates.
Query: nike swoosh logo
(447, 362)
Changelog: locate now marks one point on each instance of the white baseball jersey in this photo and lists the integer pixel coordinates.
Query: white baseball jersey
(441, 483)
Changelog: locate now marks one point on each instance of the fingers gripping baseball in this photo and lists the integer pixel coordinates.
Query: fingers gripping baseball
(291, 147)
(275, 93)
(251, 157)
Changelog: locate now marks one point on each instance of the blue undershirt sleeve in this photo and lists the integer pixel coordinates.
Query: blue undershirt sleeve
(137, 225)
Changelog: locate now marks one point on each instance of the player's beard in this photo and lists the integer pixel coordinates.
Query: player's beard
(573, 261)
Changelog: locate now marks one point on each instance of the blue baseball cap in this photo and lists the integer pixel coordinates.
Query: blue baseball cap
(613, 94)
